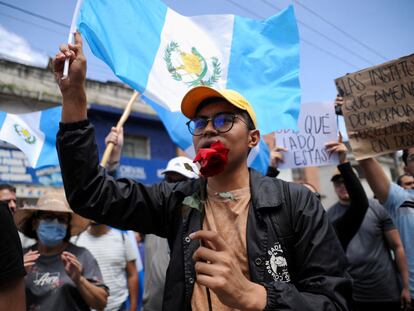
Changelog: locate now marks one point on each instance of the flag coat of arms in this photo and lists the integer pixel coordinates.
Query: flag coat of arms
(33, 133)
(163, 54)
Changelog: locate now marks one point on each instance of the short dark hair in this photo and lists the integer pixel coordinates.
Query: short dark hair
(399, 179)
(8, 187)
(212, 100)
(404, 157)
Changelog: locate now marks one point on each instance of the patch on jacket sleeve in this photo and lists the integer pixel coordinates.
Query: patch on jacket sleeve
(277, 266)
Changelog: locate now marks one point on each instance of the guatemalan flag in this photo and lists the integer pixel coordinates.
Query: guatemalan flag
(163, 54)
(34, 134)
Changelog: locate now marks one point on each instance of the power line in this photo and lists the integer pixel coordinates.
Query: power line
(96, 65)
(324, 36)
(340, 30)
(34, 24)
(303, 40)
(34, 14)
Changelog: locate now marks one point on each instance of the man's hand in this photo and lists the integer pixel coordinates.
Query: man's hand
(73, 87)
(72, 265)
(276, 156)
(339, 102)
(77, 65)
(217, 269)
(339, 148)
(29, 259)
(117, 138)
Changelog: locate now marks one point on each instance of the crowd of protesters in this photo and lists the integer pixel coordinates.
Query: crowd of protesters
(220, 238)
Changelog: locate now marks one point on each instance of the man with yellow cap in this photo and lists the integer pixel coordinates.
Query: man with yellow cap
(239, 240)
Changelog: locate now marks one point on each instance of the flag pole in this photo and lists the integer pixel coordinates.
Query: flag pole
(122, 120)
(71, 38)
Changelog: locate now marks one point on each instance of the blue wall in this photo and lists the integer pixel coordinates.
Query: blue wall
(103, 118)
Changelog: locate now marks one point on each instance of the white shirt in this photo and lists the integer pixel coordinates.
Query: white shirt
(112, 251)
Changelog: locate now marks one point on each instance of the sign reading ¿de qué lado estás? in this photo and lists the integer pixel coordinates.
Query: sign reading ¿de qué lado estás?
(379, 107)
(306, 146)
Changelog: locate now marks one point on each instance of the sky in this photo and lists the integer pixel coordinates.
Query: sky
(337, 37)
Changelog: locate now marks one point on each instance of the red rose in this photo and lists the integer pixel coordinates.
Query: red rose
(212, 160)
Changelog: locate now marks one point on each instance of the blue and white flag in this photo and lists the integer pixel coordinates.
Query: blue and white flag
(163, 54)
(33, 133)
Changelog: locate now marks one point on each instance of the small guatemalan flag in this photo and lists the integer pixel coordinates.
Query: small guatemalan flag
(33, 133)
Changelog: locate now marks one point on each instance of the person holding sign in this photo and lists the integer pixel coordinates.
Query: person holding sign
(370, 235)
(351, 195)
(348, 224)
(239, 240)
(399, 204)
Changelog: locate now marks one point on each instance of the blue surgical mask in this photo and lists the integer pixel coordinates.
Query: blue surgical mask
(51, 232)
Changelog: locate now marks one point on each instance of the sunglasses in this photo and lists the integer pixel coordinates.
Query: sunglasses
(222, 123)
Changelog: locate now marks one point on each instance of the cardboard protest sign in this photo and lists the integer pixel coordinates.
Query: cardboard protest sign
(379, 107)
(306, 146)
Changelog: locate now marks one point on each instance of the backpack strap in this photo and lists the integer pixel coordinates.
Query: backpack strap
(282, 225)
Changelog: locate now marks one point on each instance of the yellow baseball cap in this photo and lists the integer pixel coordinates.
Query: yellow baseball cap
(196, 95)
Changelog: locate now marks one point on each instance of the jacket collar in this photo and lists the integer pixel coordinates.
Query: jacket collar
(264, 191)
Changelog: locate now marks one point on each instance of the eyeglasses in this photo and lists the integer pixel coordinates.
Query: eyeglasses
(222, 123)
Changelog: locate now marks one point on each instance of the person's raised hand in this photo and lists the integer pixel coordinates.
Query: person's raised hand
(339, 148)
(217, 268)
(74, 106)
(117, 138)
(276, 156)
(339, 102)
(77, 66)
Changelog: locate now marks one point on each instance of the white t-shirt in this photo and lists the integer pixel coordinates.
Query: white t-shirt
(112, 251)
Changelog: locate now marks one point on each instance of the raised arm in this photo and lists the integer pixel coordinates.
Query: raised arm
(74, 106)
(348, 224)
(377, 180)
(276, 157)
(115, 137)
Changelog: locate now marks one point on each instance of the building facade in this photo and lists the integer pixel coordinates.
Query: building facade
(23, 89)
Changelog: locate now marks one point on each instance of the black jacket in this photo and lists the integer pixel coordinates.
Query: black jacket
(292, 249)
(348, 224)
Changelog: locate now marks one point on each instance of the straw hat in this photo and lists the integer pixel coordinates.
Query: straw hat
(53, 201)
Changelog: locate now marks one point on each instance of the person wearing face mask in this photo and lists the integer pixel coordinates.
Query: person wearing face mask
(60, 275)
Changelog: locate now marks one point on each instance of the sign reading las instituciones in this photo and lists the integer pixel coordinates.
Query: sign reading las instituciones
(379, 107)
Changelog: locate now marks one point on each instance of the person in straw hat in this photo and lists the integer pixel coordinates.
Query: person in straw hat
(60, 275)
